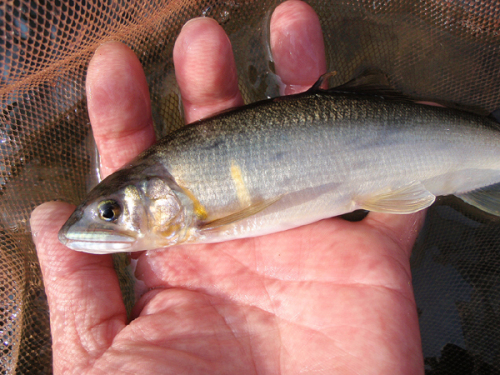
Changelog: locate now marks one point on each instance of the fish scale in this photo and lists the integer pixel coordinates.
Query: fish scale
(286, 162)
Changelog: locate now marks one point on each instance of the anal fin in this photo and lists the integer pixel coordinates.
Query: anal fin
(403, 200)
(486, 199)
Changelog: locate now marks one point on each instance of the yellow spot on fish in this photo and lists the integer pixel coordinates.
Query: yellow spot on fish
(198, 208)
(241, 189)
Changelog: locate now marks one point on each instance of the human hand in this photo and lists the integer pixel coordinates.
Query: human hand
(332, 297)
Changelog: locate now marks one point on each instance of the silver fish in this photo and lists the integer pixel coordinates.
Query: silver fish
(286, 162)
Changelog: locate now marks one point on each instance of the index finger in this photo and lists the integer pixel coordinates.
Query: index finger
(119, 106)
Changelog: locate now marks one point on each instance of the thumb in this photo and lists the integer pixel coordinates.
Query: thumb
(402, 229)
(86, 307)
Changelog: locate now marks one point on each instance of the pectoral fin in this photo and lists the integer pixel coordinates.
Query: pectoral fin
(486, 199)
(240, 215)
(404, 200)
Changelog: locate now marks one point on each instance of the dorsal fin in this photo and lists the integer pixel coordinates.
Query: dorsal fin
(375, 82)
(322, 80)
(371, 82)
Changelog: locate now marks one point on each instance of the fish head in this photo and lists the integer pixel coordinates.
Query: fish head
(123, 215)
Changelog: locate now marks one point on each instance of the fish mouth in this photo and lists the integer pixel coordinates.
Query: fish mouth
(80, 235)
(96, 242)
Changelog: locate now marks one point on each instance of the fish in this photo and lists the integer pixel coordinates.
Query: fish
(289, 161)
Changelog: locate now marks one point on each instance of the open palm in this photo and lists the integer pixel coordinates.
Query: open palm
(333, 297)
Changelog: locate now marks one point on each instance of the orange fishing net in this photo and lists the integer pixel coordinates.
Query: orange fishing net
(446, 50)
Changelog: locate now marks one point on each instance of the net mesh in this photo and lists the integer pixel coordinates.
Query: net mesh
(445, 50)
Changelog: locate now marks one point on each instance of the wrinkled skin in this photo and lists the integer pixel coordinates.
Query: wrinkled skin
(332, 297)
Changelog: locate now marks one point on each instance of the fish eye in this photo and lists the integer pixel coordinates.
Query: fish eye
(109, 210)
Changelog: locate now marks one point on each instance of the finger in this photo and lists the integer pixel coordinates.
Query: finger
(298, 51)
(205, 69)
(86, 307)
(119, 105)
(297, 46)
